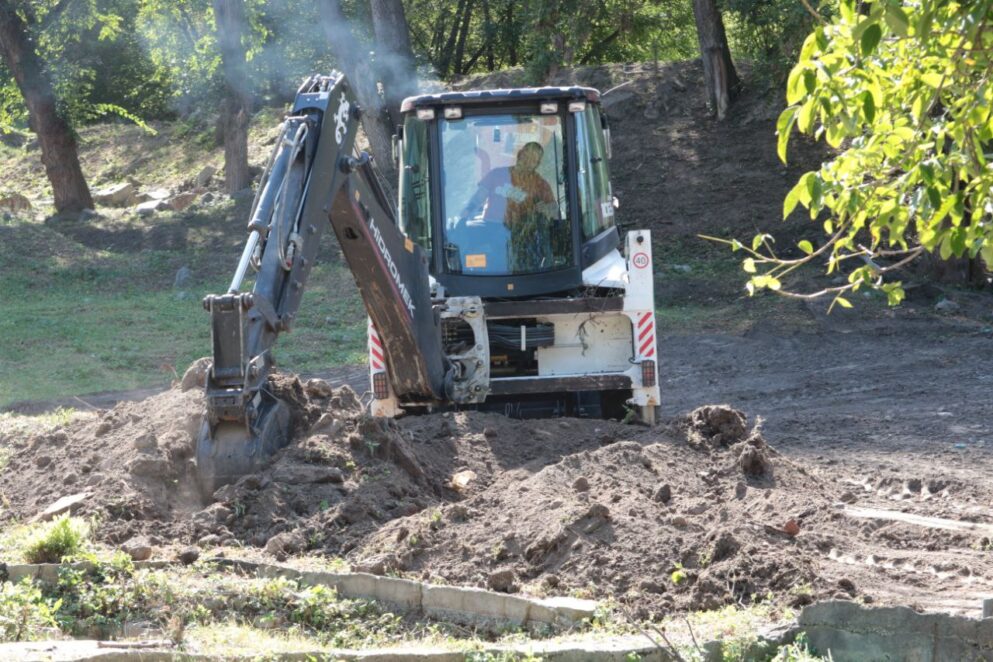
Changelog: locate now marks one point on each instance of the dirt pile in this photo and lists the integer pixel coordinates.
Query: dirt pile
(693, 515)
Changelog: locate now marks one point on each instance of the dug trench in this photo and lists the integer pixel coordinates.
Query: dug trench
(695, 513)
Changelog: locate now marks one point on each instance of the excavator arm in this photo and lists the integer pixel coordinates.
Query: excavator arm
(313, 179)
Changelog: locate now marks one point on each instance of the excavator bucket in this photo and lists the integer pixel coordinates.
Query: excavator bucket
(232, 449)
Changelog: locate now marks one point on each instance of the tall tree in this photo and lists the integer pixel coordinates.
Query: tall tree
(236, 110)
(394, 57)
(719, 75)
(351, 57)
(58, 143)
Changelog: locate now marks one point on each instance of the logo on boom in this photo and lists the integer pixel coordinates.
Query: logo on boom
(340, 117)
(391, 265)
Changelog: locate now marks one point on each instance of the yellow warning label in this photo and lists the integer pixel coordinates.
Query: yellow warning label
(477, 261)
(409, 245)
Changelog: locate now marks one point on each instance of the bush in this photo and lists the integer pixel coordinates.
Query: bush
(66, 536)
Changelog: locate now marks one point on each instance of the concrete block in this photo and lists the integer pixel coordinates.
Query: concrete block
(402, 592)
(355, 585)
(571, 610)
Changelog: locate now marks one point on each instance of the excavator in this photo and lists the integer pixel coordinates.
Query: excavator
(496, 280)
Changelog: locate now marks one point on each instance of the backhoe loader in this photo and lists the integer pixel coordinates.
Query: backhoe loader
(497, 279)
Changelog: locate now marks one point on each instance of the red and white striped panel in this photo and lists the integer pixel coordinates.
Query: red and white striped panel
(376, 361)
(645, 335)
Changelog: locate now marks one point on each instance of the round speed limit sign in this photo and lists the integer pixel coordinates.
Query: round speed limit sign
(640, 260)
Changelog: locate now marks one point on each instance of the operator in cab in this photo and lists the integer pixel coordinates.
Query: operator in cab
(508, 195)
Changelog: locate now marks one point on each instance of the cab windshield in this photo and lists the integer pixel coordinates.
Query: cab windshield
(505, 204)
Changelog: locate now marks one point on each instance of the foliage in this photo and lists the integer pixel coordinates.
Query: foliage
(65, 536)
(768, 32)
(902, 90)
(24, 612)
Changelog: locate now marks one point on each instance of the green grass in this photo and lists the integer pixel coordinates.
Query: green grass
(80, 321)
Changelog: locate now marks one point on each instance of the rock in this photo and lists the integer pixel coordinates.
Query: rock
(947, 306)
(205, 175)
(378, 564)
(283, 544)
(581, 484)
(148, 465)
(196, 375)
(489, 433)
(679, 521)
(462, 479)
(209, 540)
(158, 194)
(70, 478)
(150, 207)
(183, 276)
(318, 388)
(138, 549)
(791, 528)
(118, 195)
(326, 423)
(188, 555)
(67, 504)
(146, 441)
(307, 473)
(181, 201)
(716, 426)
(42, 461)
(662, 494)
(847, 585)
(502, 580)
(207, 198)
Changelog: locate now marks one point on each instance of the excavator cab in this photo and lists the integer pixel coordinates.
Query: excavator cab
(507, 191)
(498, 281)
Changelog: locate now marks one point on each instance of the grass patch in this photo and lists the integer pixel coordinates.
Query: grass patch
(52, 541)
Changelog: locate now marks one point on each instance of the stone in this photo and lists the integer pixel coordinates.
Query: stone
(150, 207)
(118, 195)
(947, 306)
(662, 494)
(183, 277)
(327, 424)
(582, 484)
(42, 461)
(158, 194)
(149, 465)
(462, 479)
(66, 504)
(318, 388)
(181, 201)
(502, 580)
(205, 175)
(209, 540)
(283, 544)
(138, 549)
(196, 375)
(188, 555)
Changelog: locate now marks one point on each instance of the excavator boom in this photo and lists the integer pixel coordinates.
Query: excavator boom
(312, 179)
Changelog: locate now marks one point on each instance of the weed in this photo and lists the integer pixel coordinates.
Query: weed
(678, 575)
(66, 536)
(25, 614)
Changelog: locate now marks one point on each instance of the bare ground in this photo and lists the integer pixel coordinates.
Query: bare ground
(868, 409)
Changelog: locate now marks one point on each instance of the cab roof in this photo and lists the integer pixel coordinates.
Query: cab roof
(496, 97)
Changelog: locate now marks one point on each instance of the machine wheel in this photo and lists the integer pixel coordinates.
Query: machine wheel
(233, 451)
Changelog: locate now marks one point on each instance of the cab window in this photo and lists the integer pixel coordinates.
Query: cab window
(415, 184)
(595, 195)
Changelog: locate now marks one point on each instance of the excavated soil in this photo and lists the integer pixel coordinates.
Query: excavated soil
(693, 514)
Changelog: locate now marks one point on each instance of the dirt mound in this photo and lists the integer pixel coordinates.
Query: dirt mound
(652, 517)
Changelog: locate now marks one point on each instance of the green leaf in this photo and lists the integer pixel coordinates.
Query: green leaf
(843, 302)
(868, 106)
(897, 19)
(932, 79)
(783, 127)
(805, 246)
(749, 265)
(789, 204)
(870, 38)
(805, 119)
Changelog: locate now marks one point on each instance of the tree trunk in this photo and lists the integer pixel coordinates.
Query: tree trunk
(348, 53)
(55, 137)
(236, 110)
(720, 78)
(394, 56)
